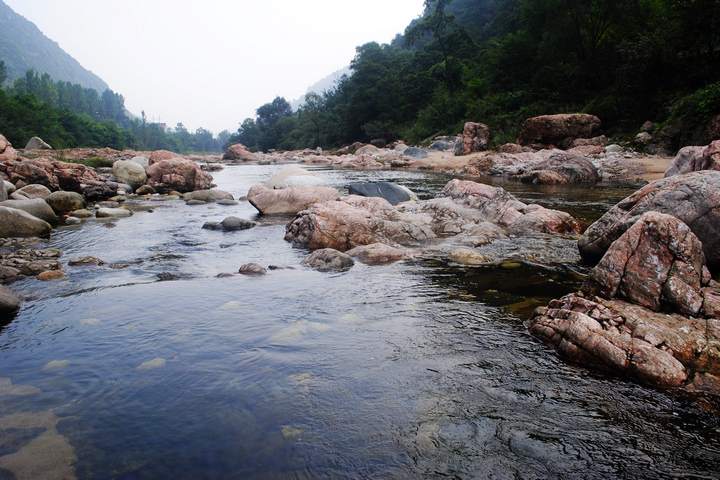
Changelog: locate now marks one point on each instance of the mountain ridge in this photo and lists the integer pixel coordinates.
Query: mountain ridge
(23, 46)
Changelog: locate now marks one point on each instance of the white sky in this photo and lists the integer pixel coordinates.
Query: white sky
(211, 63)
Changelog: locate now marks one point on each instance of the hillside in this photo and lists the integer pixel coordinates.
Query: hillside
(23, 46)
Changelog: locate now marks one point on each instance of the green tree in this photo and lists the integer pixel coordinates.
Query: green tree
(3, 73)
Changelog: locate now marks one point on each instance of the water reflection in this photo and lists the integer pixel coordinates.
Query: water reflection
(154, 368)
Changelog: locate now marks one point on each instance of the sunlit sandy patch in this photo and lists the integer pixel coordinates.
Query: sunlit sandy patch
(151, 364)
(56, 365)
(7, 388)
(47, 456)
(297, 330)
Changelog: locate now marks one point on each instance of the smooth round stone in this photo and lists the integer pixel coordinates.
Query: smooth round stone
(252, 269)
(73, 221)
(227, 201)
(82, 213)
(51, 275)
(113, 212)
(195, 202)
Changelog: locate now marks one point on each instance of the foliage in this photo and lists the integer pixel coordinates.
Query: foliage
(502, 61)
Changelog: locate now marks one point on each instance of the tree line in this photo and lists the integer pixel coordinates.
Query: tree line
(502, 61)
(68, 115)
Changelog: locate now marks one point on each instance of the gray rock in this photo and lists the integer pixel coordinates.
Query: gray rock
(301, 181)
(65, 202)
(33, 191)
(9, 302)
(389, 191)
(124, 186)
(231, 224)
(289, 200)
(17, 223)
(441, 146)
(131, 173)
(36, 143)
(142, 161)
(415, 153)
(329, 259)
(614, 149)
(36, 207)
(282, 175)
(73, 221)
(227, 202)
(400, 147)
(208, 196)
(252, 269)
(113, 212)
(145, 190)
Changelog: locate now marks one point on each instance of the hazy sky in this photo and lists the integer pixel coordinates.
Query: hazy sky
(211, 63)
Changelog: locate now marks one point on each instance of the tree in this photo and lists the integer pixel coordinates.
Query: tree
(312, 111)
(3, 73)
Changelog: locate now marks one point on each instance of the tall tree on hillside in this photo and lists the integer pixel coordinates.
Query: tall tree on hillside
(3, 73)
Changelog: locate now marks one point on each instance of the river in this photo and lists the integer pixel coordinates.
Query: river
(153, 367)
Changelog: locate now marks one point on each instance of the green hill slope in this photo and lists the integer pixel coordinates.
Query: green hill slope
(23, 46)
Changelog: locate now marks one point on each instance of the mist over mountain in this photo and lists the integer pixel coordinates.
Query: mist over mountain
(23, 46)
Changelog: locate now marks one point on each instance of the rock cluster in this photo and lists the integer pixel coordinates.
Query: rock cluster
(549, 131)
(650, 309)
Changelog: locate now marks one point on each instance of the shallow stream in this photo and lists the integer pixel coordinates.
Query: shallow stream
(152, 367)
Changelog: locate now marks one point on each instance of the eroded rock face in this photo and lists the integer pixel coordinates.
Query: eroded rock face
(559, 130)
(695, 159)
(619, 320)
(475, 213)
(475, 138)
(657, 263)
(693, 198)
(177, 173)
(7, 152)
(289, 200)
(239, 152)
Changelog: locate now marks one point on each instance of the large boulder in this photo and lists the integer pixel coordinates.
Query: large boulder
(99, 190)
(302, 181)
(352, 222)
(391, 192)
(561, 168)
(179, 174)
(559, 130)
(35, 171)
(7, 152)
(657, 263)
(693, 198)
(376, 254)
(285, 173)
(649, 310)
(65, 202)
(289, 200)
(37, 207)
(36, 143)
(475, 138)
(239, 152)
(31, 191)
(130, 173)
(17, 223)
(9, 302)
(695, 159)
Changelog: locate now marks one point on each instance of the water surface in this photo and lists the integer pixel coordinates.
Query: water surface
(152, 367)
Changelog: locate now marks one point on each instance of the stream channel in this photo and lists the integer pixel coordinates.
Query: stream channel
(153, 367)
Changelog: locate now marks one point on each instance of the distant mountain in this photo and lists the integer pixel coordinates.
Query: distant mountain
(327, 83)
(23, 46)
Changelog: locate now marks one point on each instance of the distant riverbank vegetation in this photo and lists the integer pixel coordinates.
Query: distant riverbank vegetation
(502, 61)
(492, 61)
(67, 115)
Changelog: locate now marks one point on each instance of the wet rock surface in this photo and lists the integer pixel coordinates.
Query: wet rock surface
(329, 259)
(288, 200)
(693, 198)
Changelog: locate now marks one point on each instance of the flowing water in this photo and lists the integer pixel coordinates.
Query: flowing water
(152, 367)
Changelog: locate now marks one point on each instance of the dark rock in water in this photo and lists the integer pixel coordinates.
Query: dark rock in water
(415, 153)
(9, 302)
(97, 190)
(329, 259)
(234, 223)
(230, 224)
(145, 190)
(252, 269)
(208, 196)
(85, 261)
(389, 191)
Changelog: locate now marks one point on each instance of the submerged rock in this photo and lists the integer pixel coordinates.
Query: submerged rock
(329, 259)
(113, 212)
(376, 254)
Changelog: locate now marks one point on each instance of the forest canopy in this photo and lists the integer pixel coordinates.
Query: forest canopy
(502, 61)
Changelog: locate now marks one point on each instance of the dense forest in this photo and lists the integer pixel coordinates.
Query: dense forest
(67, 115)
(502, 61)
